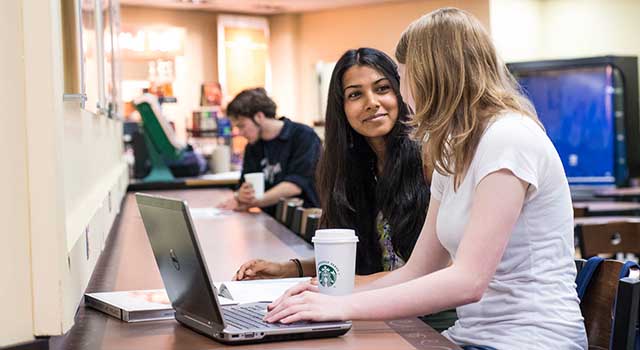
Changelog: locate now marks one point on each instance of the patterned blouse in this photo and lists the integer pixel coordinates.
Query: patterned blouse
(390, 260)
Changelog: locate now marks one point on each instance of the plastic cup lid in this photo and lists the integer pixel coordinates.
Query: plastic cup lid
(335, 236)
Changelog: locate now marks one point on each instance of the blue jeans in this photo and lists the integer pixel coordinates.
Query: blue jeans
(477, 347)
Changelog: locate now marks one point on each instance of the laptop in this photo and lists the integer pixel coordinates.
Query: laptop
(191, 290)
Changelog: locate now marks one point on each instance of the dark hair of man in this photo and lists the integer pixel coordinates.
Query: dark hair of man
(251, 101)
(350, 193)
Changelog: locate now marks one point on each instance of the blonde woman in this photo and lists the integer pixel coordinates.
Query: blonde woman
(500, 207)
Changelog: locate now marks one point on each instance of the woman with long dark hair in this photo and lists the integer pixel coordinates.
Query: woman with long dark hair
(370, 176)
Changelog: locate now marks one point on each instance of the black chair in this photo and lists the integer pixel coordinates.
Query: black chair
(292, 206)
(297, 220)
(313, 222)
(280, 208)
(304, 222)
(610, 307)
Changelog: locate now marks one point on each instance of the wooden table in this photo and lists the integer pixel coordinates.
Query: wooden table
(127, 263)
(608, 208)
(626, 193)
(590, 220)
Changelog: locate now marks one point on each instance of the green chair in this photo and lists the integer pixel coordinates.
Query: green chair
(159, 139)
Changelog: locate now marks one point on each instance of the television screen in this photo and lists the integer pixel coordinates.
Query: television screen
(576, 108)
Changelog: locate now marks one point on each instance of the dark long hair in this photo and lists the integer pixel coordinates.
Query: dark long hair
(350, 194)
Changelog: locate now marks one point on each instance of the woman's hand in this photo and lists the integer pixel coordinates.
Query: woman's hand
(262, 269)
(303, 302)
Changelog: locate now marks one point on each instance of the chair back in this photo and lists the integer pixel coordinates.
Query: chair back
(297, 219)
(157, 128)
(610, 307)
(580, 211)
(286, 206)
(312, 224)
(292, 206)
(608, 238)
(308, 227)
(280, 208)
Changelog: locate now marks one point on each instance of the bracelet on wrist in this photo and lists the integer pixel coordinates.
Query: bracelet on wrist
(298, 267)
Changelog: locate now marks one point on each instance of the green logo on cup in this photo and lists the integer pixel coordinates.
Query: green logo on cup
(327, 275)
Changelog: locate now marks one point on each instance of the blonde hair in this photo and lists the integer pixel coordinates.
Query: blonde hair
(458, 84)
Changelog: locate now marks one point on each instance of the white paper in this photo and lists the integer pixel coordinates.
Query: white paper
(266, 290)
(209, 213)
(224, 301)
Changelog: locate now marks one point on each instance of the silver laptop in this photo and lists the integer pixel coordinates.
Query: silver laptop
(189, 285)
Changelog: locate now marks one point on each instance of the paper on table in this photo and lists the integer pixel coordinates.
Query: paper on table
(225, 301)
(209, 213)
(266, 290)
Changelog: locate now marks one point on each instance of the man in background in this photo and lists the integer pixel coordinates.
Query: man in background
(286, 153)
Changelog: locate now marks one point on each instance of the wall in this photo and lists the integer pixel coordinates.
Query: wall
(64, 173)
(297, 43)
(516, 27)
(565, 29)
(200, 55)
(285, 63)
(538, 30)
(325, 35)
(15, 264)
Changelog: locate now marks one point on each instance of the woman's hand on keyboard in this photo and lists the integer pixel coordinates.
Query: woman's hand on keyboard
(303, 302)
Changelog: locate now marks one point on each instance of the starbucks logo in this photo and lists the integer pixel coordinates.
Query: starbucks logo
(327, 275)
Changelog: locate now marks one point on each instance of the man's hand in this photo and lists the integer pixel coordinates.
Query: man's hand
(229, 204)
(247, 195)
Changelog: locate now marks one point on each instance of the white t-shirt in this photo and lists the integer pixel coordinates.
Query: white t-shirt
(531, 301)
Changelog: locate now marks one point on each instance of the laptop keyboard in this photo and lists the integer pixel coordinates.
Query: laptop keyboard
(249, 316)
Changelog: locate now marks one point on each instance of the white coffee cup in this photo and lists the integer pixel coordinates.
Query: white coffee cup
(220, 159)
(335, 260)
(257, 181)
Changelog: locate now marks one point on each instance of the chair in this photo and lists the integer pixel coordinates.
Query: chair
(282, 209)
(580, 211)
(315, 214)
(159, 138)
(610, 307)
(311, 225)
(297, 220)
(292, 206)
(608, 238)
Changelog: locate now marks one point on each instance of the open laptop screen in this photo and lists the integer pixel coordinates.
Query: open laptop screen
(176, 249)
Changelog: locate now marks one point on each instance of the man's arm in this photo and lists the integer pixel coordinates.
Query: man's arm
(284, 189)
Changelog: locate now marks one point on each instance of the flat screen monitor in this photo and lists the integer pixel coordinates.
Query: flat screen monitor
(576, 107)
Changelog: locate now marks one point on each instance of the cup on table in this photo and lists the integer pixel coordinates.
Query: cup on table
(335, 251)
(220, 159)
(257, 181)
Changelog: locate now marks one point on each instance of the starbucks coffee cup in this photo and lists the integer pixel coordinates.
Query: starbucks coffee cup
(335, 260)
